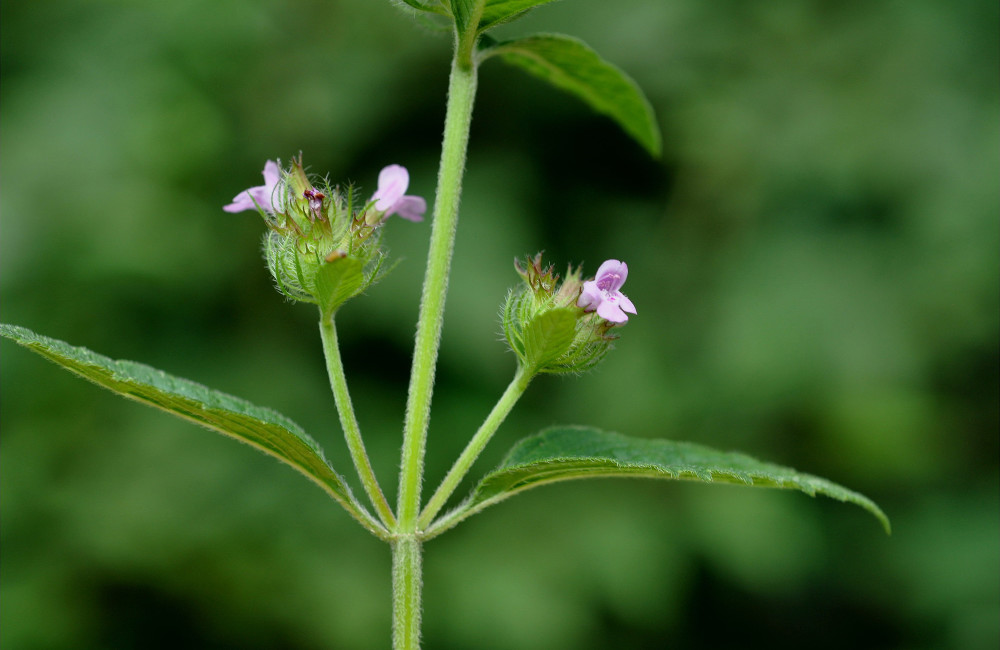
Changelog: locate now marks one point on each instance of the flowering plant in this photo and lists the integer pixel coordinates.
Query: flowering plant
(324, 246)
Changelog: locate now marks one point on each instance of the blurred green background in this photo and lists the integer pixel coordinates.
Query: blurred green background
(814, 262)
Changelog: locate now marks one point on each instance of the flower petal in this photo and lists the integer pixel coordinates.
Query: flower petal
(392, 183)
(272, 174)
(611, 275)
(610, 311)
(258, 196)
(626, 304)
(409, 207)
(241, 202)
(590, 296)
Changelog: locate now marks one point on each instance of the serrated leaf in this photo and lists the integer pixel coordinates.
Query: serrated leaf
(337, 281)
(263, 428)
(501, 11)
(571, 65)
(548, 336)
(569, 452)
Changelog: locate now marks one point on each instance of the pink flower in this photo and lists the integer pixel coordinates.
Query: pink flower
(602, 293)
(258, 196)
(389, 198)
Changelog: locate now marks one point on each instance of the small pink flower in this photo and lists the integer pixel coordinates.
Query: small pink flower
(258, 196)
(391, 198)
(602, 293)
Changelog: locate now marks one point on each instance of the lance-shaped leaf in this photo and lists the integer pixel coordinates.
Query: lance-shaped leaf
(501, 11)
(267, 430)
(568, 63)
(569, 452)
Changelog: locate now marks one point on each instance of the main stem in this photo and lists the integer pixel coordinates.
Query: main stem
(406, 577)
(348, 421)
(406, 571)
(461, 93)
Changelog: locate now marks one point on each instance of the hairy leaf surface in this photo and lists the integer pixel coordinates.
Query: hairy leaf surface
(502, 11)
(548, 336)
(569, 452)
(263, 428)
(571, 65)
(432, 6)
(337, 281)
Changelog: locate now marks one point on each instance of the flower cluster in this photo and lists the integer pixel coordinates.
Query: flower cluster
(319, 248)
(559, 327)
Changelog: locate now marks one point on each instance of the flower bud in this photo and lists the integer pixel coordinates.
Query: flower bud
(544, 326)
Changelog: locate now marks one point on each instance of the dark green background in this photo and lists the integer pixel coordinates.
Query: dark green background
(814, 262)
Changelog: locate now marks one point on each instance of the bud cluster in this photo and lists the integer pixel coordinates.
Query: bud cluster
(545, 327)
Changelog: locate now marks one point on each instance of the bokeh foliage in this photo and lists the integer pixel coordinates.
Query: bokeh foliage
(814, 262)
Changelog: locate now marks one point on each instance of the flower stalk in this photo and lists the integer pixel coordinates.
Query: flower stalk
(349, 422)
(475, 446)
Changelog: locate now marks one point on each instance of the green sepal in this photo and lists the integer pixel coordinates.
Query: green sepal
(571, 452)
(548, 336)
(337, 281)
(262, 428)
(570, 64)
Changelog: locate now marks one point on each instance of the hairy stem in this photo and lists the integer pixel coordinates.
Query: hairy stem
(461, 93)
(472, 450)
(406, 582)
(348, 421)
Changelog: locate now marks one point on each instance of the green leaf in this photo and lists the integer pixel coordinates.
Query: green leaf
(337, 281)
(502, 11)
(267, 430)
(548, 336)
(418, 5)
(568, 452)
(571, 65)
(467, 14)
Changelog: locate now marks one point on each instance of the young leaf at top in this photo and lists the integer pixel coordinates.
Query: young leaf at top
(467, 14)
(571, 65)
(432, 6)
(502, 11)
(569, 452)
(263, 428)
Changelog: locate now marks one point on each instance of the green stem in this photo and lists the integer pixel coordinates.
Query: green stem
(348, 421)
(406, 582)
(461, 93)
(472, 450)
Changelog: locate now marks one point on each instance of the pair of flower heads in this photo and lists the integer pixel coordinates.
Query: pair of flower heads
(323, 246)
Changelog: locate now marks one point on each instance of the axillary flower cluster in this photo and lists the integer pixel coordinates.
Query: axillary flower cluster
(322, 246)
(567, 326)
